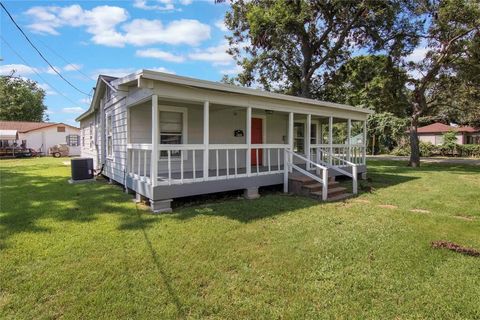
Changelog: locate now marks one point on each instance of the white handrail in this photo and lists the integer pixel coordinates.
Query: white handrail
(324, 169)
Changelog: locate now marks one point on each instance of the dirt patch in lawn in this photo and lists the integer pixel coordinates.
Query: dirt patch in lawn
(455, 247)
(361, 201)
(466, 218)
(387, 206)
(419, 210)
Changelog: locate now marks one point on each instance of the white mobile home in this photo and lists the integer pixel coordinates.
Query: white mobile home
(164, 136)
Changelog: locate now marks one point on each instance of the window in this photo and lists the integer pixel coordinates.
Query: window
(73, 140)
(171, 130)
(91, 135)
(299, 137)
(109, 136)
(313, 133)
(60, 129)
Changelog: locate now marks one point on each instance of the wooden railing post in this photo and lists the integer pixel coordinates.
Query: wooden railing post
(155, 141)
(330, 139)
(309, 137)
(349, 139)
(248, 137)
(286, 169)
(206, 138)
(290, 138)
(364, 153)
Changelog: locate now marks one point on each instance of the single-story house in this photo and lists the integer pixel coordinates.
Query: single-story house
(39, 136)
(165, 136)
(433, 133)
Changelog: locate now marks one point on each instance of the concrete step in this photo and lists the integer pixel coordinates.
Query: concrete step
(340, 197)
(318, 186)
(335, 191)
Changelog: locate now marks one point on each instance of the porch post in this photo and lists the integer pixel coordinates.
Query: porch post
(290, 137)
(206, 138)
(248, 137)
(349, 137)
(330, 138)
(307, 143)
(155, 140)
(364, 153)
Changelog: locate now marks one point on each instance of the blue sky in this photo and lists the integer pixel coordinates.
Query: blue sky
(184, 37)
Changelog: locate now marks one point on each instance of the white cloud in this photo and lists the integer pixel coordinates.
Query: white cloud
(72, 67)
(102, 23)
(18, 69)
(232, 71)
(220, 24)
(161, 69)
(158, 54)
(73, 110)
(217, 55)
(164, 5)
(114, 72)
(49, 112)
(48, 90)
(160, 5)
(85, 101)
(142, 32)
(417, 55)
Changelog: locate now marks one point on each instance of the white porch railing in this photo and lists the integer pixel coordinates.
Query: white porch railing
(183, 163)
(338, 154)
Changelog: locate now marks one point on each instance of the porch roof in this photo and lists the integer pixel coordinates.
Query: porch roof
(214, 86)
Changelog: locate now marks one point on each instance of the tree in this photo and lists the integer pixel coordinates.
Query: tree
(385, 130)
(370, 81)
(450, 29)
(283, 45)
(22, 100)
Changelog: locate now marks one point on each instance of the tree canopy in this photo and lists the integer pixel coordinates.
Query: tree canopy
(282, 45)
(22, 100)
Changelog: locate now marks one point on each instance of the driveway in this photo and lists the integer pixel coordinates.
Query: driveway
(471, 161)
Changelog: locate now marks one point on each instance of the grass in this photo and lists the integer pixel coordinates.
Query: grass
(87, 251)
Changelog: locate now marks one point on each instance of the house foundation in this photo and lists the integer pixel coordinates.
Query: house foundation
(161, 206)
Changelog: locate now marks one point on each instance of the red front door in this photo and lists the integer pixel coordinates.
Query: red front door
(257, 139)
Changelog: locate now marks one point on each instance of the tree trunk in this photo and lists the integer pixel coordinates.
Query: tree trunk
(414, 143)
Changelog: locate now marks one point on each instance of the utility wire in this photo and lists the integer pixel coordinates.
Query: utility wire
(37, 73)
(66, 61)
(38, 51)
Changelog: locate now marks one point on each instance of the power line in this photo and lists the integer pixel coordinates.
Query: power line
(38, 51)
(38, 74)
(66, 61)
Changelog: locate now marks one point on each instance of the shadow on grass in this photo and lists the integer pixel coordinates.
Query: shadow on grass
(27, 197)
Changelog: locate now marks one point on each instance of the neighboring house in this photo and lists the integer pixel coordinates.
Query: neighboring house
(433, 133)
(40, 136)
(164, 136)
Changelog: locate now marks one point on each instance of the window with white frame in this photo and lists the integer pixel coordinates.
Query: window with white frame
(91, 135)
(109, 136)
(299, 137)
(172, 127)
(73, 140)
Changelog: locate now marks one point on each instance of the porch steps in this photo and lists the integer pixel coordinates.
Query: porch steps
(306, 186)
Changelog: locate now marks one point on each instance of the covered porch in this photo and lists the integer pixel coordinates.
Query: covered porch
(176, 142)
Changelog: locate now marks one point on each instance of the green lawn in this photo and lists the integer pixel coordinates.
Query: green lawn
(86, 251)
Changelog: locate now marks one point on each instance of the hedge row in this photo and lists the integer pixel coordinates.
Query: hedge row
(428, 149)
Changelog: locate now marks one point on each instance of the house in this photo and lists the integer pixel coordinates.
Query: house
(433, 133)
(39, 136)
(164, 136)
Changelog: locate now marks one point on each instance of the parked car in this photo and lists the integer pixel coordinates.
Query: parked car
(59, 150)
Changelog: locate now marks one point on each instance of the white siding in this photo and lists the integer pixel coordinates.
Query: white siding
(87, 135)
(45, 138)
(115, 165)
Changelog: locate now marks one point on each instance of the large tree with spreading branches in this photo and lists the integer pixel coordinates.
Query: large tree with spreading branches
(449, 38)
(283, 45)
